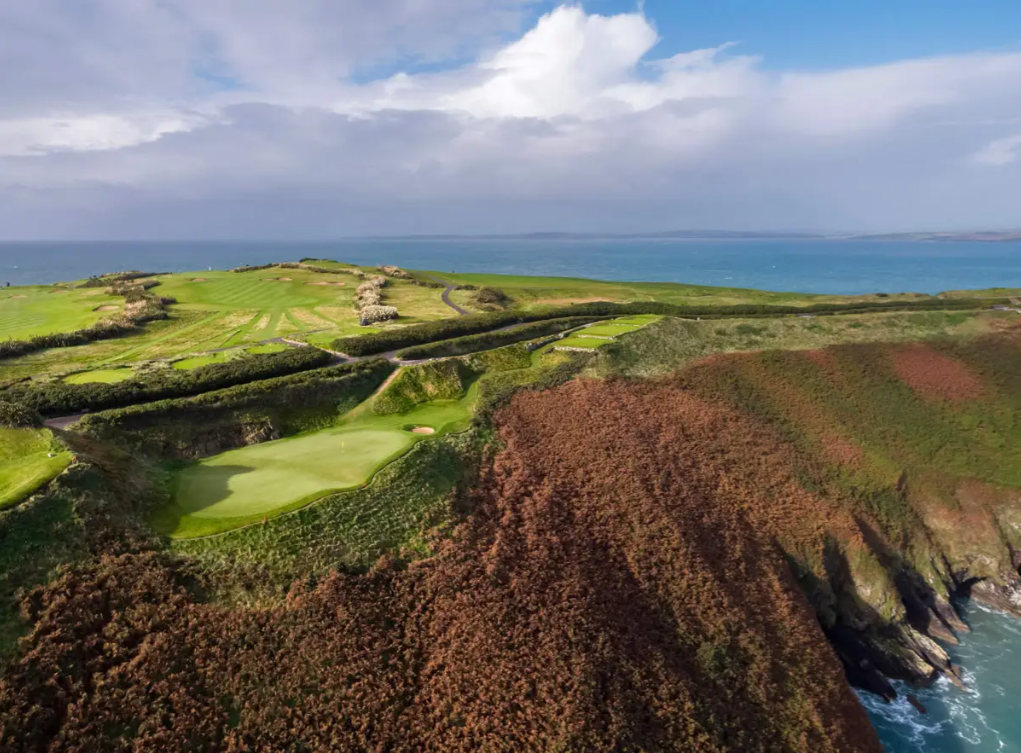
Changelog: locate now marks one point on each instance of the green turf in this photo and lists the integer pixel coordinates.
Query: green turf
(24, 462)
(40, 310)
(103, 376)
(609, 330)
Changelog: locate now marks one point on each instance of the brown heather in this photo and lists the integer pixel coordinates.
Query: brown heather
(935, 376)
(616, 588)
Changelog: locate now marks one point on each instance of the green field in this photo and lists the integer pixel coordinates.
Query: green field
(41, 310)
(24, 462)
(101, 376)
(267, 348)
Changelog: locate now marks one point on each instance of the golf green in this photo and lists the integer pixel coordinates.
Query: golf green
(262, 478)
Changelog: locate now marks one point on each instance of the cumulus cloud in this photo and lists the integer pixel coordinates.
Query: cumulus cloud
(176, 106)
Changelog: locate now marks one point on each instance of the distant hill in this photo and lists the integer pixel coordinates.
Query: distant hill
(989, 237)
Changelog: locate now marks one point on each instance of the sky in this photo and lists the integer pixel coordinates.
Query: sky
(320, 119)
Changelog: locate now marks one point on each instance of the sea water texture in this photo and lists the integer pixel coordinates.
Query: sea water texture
(983, 719)
(807, 266)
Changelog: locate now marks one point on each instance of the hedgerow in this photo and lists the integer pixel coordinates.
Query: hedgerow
(490, 340)
(444, 380)
(445, 329)
(63, 398)
(193, 427)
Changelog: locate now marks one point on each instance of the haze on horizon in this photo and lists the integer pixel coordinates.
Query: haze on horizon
(316, 119)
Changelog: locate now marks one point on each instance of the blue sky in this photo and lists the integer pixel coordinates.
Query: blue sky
(319, 118)
(814, 34)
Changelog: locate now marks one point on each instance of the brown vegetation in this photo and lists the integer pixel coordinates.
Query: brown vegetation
(935, 376)
(617, 588)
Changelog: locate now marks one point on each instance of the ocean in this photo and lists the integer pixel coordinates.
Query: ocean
(807, 266)
(983, 720)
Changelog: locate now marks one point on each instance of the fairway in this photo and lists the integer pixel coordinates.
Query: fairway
(262, 478)
(100, 376)
(30, 311)
(25, 464)
(187, 364)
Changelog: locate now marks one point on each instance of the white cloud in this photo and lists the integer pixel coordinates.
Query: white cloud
(999, 152)
(169, 105)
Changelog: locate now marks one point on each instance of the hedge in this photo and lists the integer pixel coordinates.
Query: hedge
(490, 340)
(62, 399)
(17, 416)
(446, 329)
(192, 427)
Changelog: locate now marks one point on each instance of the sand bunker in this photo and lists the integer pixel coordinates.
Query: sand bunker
(283, 279)
(423, 430)
(19, 296)
(106, 308)
(323, 282)
(199, 279)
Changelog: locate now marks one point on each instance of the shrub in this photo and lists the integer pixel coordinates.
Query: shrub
(17, 416)
(253, 267)
(395, 272)
(376, 313)
(491, 340)
(61, 398)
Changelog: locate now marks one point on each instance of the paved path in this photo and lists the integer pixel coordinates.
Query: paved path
(446, 296)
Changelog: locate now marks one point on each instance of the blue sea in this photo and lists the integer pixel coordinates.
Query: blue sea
(983, 720)
(809, 266)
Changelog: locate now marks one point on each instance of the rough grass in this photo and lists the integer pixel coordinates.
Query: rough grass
(187, 364)
(671, 343)
(101, 376)
(268, 348)
(24, 462)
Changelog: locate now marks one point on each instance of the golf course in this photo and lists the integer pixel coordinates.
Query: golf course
(29, 458)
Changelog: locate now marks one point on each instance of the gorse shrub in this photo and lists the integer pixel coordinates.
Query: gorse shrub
(376, 313)
(491, 299)
(445, 380)
(62, 398)
(392, 271)
(17, 416)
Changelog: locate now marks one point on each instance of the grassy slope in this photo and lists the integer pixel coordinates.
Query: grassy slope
(38, 310)
(24, 465)
(674, 342)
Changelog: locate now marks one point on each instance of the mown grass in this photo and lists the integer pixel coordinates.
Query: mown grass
(25, 464)
(196, 362)
(29, 311)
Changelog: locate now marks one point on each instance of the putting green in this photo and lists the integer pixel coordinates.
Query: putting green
(103, 376)
(259, 479)
(25, 464)
(242, 486)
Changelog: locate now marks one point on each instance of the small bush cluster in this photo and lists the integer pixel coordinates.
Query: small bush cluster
(392, 271)
(491, 340)
(490, 299)
(99, 281)
(383, 342)
(62, 398)
(253, 267)
(17, 416)
(376, 314)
